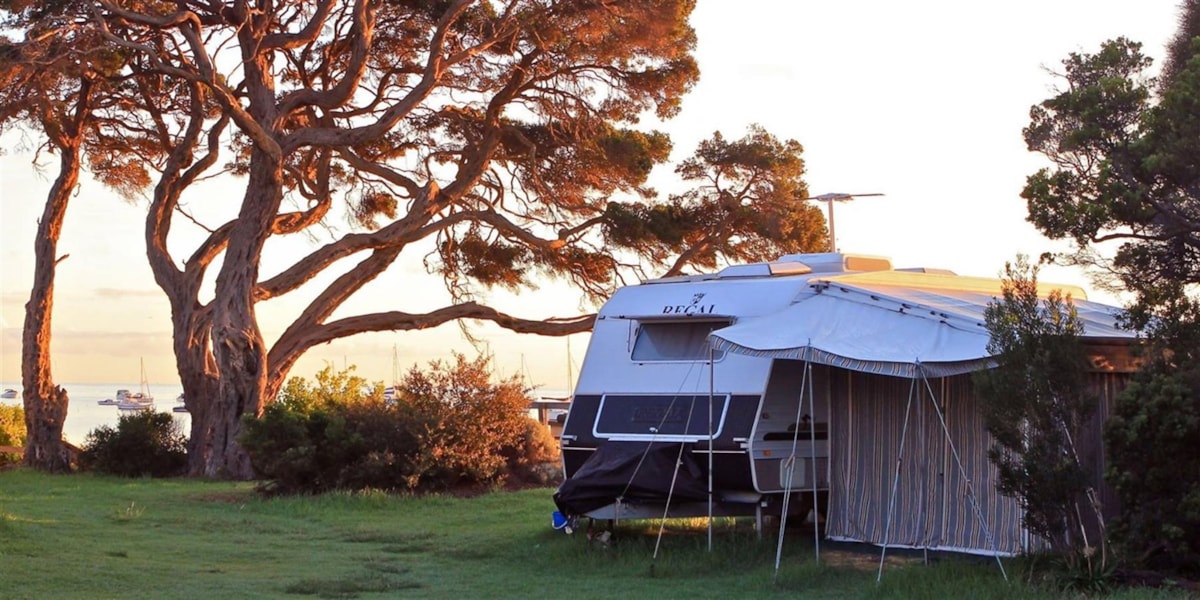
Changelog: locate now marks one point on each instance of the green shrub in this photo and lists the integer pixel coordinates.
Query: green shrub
(1151, 440)
(339, 446)
(12, 431)
(333, 434)
(144, 443)
(1034, 404)
(449, 426)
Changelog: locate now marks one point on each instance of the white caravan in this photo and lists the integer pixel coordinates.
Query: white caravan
(807, 374)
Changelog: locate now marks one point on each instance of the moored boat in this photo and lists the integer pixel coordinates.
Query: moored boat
(122, 395)
(142, 400)
(137, 401)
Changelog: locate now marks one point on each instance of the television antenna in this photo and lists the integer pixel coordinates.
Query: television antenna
(829, 199)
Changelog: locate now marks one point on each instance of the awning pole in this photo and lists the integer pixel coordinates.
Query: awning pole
(887, 528)
(711, 384)
(812, 430)
(963, 473)
(790, 464)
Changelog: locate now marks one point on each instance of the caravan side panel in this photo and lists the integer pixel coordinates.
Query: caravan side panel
(933, 500)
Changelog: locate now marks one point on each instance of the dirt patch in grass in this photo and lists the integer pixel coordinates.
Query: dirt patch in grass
(226, 497)
(350, 586)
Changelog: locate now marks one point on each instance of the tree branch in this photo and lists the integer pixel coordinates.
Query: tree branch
(289, 348)
(290, 41)
(361, 34)
(434, 65)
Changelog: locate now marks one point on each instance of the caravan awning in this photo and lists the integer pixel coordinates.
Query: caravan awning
(862, 333)
(880, 327)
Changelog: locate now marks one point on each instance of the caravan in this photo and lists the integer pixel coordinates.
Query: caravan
(802, 385)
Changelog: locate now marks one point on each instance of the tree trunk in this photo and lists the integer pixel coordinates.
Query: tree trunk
(46, 403)
(238, 346)
(240, 391)
(197, 373)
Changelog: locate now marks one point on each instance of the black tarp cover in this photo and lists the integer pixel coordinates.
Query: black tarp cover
(618, 470)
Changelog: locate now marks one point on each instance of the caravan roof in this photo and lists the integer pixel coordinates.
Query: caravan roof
(735, 291)
(895, 322)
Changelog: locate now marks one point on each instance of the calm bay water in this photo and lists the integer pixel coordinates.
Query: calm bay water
(84, 414)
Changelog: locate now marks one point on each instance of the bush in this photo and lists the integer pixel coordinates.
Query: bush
(12, 431)
(333, 434)
(449, 426)
(535, 456)
(340, 446)
(144, 443)
(464, 422)
(1151, 439)
(1034, 404)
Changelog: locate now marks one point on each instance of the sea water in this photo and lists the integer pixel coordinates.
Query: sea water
(84, 414)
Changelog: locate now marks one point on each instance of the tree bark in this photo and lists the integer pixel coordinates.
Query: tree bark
(238, 345)
(198, 374)
(46, 403)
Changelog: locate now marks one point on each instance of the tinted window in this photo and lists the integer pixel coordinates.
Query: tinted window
(675, 340)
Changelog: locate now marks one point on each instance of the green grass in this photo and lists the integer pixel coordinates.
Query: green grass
(84, 536)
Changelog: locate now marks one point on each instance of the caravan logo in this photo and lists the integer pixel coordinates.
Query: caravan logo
(695, 308)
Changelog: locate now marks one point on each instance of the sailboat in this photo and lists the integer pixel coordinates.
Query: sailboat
(392, 392)
(140, 400)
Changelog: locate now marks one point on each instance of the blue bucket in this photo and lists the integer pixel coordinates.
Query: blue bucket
(559, 520)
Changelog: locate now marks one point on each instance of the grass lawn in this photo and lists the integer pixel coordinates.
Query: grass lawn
(85, 536)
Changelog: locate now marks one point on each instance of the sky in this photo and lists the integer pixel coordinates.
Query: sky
(922, 101)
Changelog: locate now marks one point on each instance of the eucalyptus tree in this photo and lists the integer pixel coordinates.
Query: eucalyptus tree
(65, 83)
(506, 136)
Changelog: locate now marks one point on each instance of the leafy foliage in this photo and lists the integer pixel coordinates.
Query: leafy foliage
(1126, 154)
(1036, 401)
(449, 426)
(535, 457)
(748, 206)
(144, 443)
(12, 430)
(12, 425)
(1151, 439)
(466, 420)
(331, 389)
(1127, 170)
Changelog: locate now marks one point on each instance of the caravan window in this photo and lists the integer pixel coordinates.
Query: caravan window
(675, 340)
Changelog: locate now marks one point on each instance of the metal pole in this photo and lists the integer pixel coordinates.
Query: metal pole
(790, 472)
(711, 384)
(962, 472)
(887, 528)
(832, 231)
(812, 430)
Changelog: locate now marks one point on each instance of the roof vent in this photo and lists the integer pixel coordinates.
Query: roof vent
(836, 262)
(771, 269)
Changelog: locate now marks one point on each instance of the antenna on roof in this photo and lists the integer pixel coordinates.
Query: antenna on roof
(829, 199)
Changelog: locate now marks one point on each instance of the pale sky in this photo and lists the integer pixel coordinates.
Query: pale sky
(922, 101)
